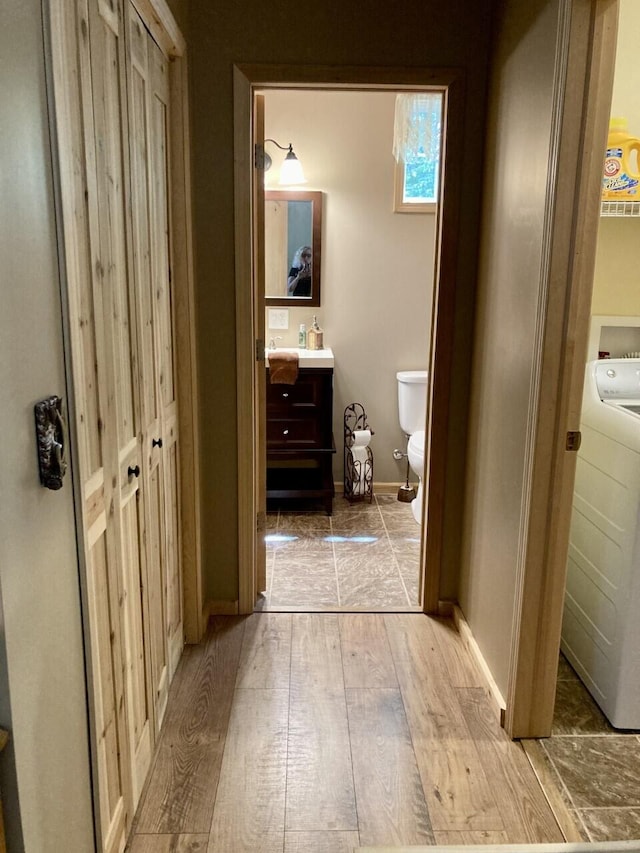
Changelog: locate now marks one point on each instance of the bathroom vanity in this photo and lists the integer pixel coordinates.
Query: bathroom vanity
(300, 444)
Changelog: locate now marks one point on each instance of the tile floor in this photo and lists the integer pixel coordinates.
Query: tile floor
(363, 557)
(596, 767)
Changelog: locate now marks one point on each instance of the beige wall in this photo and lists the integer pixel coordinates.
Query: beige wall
(510, 264)
(424, 34)
(44, 665)
(377, 266)
(616, 284)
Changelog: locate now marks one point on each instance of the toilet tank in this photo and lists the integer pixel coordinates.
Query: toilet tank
(412, 400)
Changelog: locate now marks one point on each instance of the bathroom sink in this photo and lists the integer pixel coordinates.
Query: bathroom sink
(308, 357)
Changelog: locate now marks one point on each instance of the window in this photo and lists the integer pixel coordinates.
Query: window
(416, 148)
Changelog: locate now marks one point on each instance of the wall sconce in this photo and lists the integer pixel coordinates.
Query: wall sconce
(291, 170)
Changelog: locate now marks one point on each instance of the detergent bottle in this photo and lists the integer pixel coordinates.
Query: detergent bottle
(621, 178)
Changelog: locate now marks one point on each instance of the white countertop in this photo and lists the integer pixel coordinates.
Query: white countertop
(308, 357)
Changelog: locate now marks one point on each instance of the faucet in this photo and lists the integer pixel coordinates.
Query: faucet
(272, 341)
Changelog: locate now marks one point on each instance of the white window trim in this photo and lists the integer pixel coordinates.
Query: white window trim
(402, 206)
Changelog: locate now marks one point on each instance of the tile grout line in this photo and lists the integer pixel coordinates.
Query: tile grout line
(565, 788)
(395, 556)
(611, 808)
(607, 735)
(273, 565)
(581, 823)
(386, 530)
(335, 565)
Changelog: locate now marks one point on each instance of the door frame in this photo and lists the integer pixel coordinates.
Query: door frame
(246, 80)
(584, 82)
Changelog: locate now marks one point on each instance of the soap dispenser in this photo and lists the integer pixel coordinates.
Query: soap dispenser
(315, 335)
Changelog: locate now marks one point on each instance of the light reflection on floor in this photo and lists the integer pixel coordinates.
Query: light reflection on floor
(363, 557)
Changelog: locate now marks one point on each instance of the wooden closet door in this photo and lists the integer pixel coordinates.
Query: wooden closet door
(111, 97)
(120, 321)
(165, 363)
(148, 99)
(87, 58)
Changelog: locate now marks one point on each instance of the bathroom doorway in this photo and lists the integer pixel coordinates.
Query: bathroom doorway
(383, 514)
(374, 305)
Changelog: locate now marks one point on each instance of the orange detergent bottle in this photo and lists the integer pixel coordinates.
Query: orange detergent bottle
(621, 180)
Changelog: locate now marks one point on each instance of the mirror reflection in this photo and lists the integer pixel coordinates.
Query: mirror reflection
(292, 247)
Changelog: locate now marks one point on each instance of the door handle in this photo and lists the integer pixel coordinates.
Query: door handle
(133, 472)
(157, 442)
(51, 434)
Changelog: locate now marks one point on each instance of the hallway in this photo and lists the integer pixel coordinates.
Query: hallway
(322, 732)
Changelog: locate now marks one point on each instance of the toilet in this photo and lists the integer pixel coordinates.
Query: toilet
(416, 460)
(412, 411)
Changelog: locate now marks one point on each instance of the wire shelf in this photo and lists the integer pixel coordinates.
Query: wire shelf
(620, 208)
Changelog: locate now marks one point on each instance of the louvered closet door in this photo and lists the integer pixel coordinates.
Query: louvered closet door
(148, 98)
(120, 321)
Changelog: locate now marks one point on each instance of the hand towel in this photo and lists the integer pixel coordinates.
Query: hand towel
(283, 368)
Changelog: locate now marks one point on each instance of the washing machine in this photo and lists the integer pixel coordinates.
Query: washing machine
(601, 622)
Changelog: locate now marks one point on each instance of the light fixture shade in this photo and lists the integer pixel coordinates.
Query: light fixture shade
(291, 171)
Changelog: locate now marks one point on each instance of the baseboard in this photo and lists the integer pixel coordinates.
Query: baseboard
(378, 488)
(386, 488)
(474, 650)
(219, 608)
(445, 609)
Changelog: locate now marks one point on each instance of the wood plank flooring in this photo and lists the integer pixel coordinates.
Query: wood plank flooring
(323, 732)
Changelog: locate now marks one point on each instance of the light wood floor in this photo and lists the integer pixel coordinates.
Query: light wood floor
(323, 732)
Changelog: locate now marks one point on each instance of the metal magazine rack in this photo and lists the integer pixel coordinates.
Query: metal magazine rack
(358, 472)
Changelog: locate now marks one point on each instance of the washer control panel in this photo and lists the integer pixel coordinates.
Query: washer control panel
(618, 379)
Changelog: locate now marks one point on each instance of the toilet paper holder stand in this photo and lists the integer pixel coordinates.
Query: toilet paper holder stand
(358, 476)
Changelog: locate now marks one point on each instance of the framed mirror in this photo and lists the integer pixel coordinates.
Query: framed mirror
(292, 247)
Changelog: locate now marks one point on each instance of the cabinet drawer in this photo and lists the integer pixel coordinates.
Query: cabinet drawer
(294, 433)
(305, 395)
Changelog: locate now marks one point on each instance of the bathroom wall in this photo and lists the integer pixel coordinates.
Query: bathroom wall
(377, 265)
(616, 286)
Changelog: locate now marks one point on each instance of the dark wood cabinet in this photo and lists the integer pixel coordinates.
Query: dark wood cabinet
(300, 443)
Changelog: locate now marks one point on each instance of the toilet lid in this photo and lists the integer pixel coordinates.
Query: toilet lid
(413, 376)
(416, 442)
